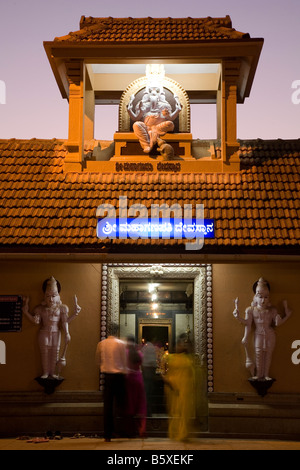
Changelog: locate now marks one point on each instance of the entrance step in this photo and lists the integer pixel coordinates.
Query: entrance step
(157, 426)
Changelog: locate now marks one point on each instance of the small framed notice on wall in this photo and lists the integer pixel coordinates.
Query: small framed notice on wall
(10, 313)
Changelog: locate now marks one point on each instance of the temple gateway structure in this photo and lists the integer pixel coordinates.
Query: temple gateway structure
(159, 231)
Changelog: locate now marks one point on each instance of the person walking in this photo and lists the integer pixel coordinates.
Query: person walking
(111, 358)
(136, 396)
(149, 366)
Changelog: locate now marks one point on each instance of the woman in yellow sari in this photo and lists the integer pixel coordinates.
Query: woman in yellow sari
(180, 391)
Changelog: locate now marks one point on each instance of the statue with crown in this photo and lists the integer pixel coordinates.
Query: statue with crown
(265, 318)
(153, 115)
(53, 318)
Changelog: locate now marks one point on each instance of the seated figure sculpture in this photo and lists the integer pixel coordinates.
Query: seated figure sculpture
(52, 317)
(265, 318)
(153, 116)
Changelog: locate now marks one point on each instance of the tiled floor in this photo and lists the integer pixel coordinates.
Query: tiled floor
(150, 444)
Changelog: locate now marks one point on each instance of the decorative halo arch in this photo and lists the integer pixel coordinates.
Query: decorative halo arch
(168, 83)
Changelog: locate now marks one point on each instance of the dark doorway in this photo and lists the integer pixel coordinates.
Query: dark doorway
(156, 334)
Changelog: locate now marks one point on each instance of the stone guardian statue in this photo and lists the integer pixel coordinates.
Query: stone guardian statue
(265, 319)
(52, 316)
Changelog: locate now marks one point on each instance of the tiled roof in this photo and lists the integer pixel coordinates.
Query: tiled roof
(44, 209)
(153, 29)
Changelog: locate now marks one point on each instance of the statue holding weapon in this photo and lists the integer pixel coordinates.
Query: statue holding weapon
(265, 317)
(53, 317)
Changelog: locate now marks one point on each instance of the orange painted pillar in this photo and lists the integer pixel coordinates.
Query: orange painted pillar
(229, 143)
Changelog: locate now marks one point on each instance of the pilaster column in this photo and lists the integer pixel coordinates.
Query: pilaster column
(88, 105)
(74, 144)
(229, 144)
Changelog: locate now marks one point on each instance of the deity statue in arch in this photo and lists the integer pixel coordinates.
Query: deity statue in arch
(153, 115)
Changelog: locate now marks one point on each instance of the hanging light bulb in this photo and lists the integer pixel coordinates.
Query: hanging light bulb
(152, 287)
(154, 296)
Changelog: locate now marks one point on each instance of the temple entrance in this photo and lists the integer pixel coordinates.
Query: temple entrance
(159, 304)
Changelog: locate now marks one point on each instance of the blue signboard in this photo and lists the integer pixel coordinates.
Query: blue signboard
(159, 228)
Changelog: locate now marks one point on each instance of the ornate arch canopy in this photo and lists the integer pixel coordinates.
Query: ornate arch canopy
(171, 87)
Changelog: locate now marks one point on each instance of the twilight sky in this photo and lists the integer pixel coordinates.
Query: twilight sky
(33, 107)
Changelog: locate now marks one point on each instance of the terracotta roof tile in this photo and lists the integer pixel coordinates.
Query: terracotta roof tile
(152, 30)
(41, 207)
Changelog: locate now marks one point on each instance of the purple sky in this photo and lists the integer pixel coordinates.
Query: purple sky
(33, 104)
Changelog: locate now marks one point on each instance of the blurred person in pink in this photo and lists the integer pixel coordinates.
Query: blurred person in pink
(149, 367)
(136, 397)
